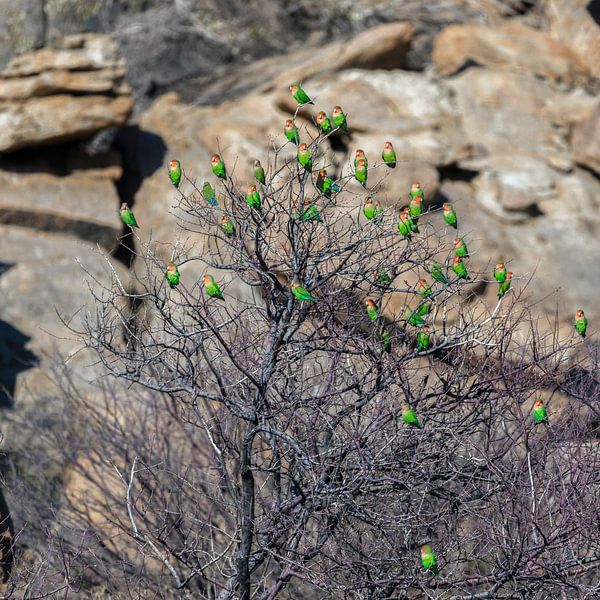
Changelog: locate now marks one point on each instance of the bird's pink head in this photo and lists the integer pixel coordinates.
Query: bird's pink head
(171, 267)
(173, 164)
(251, 188)
(424, 550)
(500, 266)
(457, 242)
(361, 163)
(579, 313)
(124, 206)
(457, 260)
(289, 124)
(415, 186)
(215, 159)
(509, 276)
(224, 219)
(337, 111)
(206, 279)
(447, 207)
(323, 173)
(321, 116)
(257, 163)
(369, 201)
(360, 153)
(425, 329)
(369, 302)
(422, 283)
(388, 146)
(307, 200)
(293, 88)
(538, 403)
(303, 147)
(405, 406)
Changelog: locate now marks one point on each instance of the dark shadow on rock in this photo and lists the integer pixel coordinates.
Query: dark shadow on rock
(594, 9)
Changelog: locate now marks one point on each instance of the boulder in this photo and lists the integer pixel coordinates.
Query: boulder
(509, 44)
(586, 142)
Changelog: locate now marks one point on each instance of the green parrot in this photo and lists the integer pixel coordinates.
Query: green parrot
(382, 278)
(500, 273)
(415, 210)
(212, 287)
(435, 270)
(416, 191)
(460, 248)
(172, 275)
(300, 96)
(304, 157)
(218, 166)
(429, 559)
(301, 293)
(310, 212)
(540, 414)
(324, 123)
(423, 339)
(372, 309)
(372, 210)
(413, 317)
(127, 216)
(424, 308)
(404, 225)
(291, 132)
(339, 118)
(389, 155)
(360, 173)
(208, 193)
(504, 286)
(410, 416)
(175, 172)
(253, 198)
(227, 226)
(325, 184)
(459, 268)
(360, 155)
(386, 340)
(580, 323)
(424, 289)
(449, 215)
(259, 172)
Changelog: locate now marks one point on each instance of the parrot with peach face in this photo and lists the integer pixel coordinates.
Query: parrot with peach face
(372, 309)
(304, 157)
(505, 285)
(300, 96)
(459, 268)
(389, 155)
(409, 416)
(405, 225)
(172, 275)
(540, 414)
(259, 172)
(360, 155)
(324, 123)
(429, 559)
(127, 216)
(301, 293)
(423, 339)
(253, 198)
(460, 248)
(424, 289)
(416, 191)
(580, 323)
(227, 226)
(175, 172)
(339, 118)
(413, 222)
(218, 167)
(372, 210)
(212, 287)
(325, 184)
(291, 132)
(360, 173)
(449, 215)
(500, 273)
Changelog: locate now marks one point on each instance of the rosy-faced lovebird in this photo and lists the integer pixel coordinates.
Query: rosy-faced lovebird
(360, 155)
(227, 226)
(300, 96)
(413, 317)
(259, 172)
(325, 184)
(127, 215)
(423, 339)
(460, 248)
(310, 212)
(580, 323)
(218, 166)
(208, 193)
(301, 293)
(372, 210)
(429, 559)
(500, 272)
(449, 215)
(172, 275)
(423, 288)
(505, 285)
(405, 225)
(175, 172)
(291, 132)
(324, 123)
(540, 414)
(304, 157)
(360, 173)
(410, 416)
(371, 308)
(459, 268)
(416, 190)
(212, 287)
(389, 155)
(415, 209)
(253, 198)
(339, 118)
(412, 221)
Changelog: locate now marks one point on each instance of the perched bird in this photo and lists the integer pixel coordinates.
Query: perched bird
(459, 268)
(386, 340)
(324, 123)
(389, 155)
(424, 289)
(360, 155)
(435, 270)
(405, 225)
(253, 198)
(304, 157)
(360, 173)
(310, 212)
(291, 132)
(500, 273)
(175, 172)
(580, 323)
(339, 118)
(382, 278)
(413, 317)
(540, 414)
(372, 309)
(415, 209)
(372, 210)
(259, 172)
(300, 96)
(208, 193)
(460, 248)
(416, 190)
(325, 184)
(410, 416)
(505, 285)
(227, 226)
(423, 339)
(212, 287)
(413, 222)
(429, 559)
(301, 293)
(424, 308)
(218, 166)
(449, 215)
(172, 275)
(127, 215)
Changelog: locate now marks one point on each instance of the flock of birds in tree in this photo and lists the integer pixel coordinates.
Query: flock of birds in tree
(372, 210)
